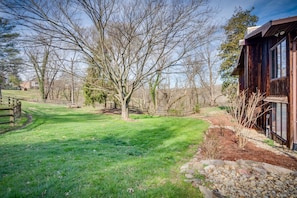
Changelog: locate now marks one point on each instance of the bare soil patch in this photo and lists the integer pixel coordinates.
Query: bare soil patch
(229, 150)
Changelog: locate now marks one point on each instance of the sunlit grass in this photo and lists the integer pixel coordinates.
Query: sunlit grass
(207, 111)
(5, 118)
(77, 153)
(31, 94)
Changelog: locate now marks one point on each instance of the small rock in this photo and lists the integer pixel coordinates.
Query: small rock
(276, 169)
(217, 162)
(189, 176)
(184, 168)
(231, 163)
(198, 166)
(242, 171)
(260, 170)
(206, 192)
(270, 178)
(209, 168)
(294, 174)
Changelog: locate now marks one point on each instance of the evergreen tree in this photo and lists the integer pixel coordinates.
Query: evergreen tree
(235, 30)
(94, 87)
(10, 61)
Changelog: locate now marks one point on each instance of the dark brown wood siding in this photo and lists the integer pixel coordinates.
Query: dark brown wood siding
(279, 87)
(292, 113)
(265, 75)
(257, 71)
(258, 75)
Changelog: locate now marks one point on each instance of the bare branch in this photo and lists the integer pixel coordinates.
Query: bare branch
(127, 40)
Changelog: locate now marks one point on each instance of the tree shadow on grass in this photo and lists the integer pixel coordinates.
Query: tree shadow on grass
(84, 166)
(40, 118)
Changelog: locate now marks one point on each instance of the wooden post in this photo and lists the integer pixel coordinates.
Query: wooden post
(12, 118)
(293, 96)
(19, 109)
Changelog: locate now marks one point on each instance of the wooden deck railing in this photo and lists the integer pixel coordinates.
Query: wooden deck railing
(10, 109)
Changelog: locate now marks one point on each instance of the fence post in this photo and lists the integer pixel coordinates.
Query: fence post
(12, 118)
(19, 109)
(14, 109)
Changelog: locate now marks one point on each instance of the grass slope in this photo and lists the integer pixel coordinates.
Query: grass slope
(75, 153)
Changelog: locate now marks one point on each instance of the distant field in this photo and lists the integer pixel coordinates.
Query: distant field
(81, 153)
(30, 95)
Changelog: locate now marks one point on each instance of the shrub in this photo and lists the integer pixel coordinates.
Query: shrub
(197, 108)
(211, 146)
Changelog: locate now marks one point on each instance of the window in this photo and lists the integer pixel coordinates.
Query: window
(279, 119)
(279, 60)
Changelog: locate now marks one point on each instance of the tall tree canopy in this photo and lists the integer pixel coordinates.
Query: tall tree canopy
(235, 30)
(127, 40)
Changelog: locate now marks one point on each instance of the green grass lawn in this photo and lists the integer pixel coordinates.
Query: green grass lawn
(31, 94)
(78, 153)
(4, 119)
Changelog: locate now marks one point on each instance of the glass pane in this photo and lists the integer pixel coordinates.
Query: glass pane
(279, 61)
(273, 65)
(278, 74)
(273, 120)
(283, 59)
(278, 119)
(284, 121)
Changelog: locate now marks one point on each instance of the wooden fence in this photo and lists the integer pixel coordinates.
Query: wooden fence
(10, 109)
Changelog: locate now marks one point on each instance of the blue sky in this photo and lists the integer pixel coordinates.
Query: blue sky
(266, 10)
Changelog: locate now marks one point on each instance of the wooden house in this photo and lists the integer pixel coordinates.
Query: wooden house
(268, 62)
(31, 84)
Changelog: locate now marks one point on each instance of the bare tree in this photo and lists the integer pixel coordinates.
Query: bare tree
(69, 63)
(153, 85)
(208, 70)
(41, 58)
(127, 39)
(190, 70)
(204, 67)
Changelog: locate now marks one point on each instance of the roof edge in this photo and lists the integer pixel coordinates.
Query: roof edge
(264, 28)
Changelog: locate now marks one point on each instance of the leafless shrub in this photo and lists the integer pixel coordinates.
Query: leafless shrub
(246, 109)
(221, 127)
(211, 146)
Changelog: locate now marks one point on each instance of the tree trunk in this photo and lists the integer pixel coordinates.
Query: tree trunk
(72, 94)
(72, 83)
(42, 91)
(212, 98)
(125, 109)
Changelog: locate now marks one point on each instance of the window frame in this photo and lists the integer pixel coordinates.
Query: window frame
(278, 60)
(279, 119)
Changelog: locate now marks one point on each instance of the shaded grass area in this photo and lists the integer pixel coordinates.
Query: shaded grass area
(19, 122)
(75, 153)
(24, 119)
